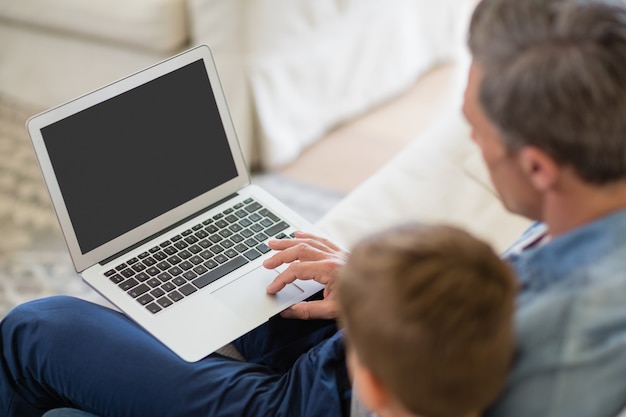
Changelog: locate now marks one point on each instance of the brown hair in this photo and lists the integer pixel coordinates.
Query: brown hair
(554, 78)
(428, 310)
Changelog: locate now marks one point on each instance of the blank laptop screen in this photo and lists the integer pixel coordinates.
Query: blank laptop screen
(131, 158)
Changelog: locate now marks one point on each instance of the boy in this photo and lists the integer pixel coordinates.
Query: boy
(427, 312)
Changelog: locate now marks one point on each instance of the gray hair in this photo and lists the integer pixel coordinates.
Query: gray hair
(555, 78)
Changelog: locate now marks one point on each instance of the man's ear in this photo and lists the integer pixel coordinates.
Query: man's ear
(540, 168)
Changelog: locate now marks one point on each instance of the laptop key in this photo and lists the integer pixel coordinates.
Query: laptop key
(174, 260)
(205, 243)
(265, 212)
(253, 207)
(189, 275)
(187, 289)
(138, 290)
(145, 299)
(263, 248)
(164, 276)
(241, 248)
(153, 271)
(181, 244)
(153, 308)
(128, 284)
(200, 269)
(153, 283)
(142, 276)
(117, 278)
(191, 239)
(210, 264)
(175, 271)
(252, 242)
(186, 265)
(164, 302)
(157, 292)
(175, 296)
(219, 272)
(216, 249)
(194, 249)
(278, 227)
(252, 254)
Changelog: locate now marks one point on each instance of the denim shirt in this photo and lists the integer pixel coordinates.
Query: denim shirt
(571, 325)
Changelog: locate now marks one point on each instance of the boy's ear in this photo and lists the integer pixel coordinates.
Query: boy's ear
(540, 168)
(373, 394)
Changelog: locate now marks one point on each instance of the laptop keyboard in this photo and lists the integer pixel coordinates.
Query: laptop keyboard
(198, 256)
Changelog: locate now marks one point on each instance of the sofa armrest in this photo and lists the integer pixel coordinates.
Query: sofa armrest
(439, 177)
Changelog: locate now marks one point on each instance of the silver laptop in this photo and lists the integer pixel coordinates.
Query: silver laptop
(154, 199)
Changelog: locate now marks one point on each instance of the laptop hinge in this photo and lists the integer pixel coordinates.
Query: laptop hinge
(162, 232)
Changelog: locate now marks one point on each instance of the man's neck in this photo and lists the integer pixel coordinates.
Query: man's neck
(580, 203)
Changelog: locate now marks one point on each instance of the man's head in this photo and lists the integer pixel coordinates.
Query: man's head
(548, 81)
(427, 312)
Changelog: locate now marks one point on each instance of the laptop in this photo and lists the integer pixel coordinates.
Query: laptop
(156, 206)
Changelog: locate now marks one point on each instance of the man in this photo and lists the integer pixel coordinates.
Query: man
(546, 98)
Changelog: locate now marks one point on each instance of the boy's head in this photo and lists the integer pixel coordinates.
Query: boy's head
(427, 312)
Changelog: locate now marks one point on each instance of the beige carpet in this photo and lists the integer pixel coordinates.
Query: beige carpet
(33, 258)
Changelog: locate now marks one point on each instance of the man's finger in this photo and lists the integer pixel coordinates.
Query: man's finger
(305, 235)
(319, 271)
(297, 252)
(284, 244)
(311, 310)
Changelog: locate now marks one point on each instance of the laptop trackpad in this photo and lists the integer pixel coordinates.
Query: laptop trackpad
(248, 298)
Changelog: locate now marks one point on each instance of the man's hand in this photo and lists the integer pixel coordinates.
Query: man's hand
(309, 257)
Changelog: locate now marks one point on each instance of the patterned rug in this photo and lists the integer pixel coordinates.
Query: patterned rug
(33, 258)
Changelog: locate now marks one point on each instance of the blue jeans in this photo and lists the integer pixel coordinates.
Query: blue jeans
(64, 352)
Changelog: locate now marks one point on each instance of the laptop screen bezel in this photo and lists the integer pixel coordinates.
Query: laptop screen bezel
(36, 123)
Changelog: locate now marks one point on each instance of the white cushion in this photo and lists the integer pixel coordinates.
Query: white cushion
(333, 59)
(439, 177)
(158, 25)
(311, 64)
